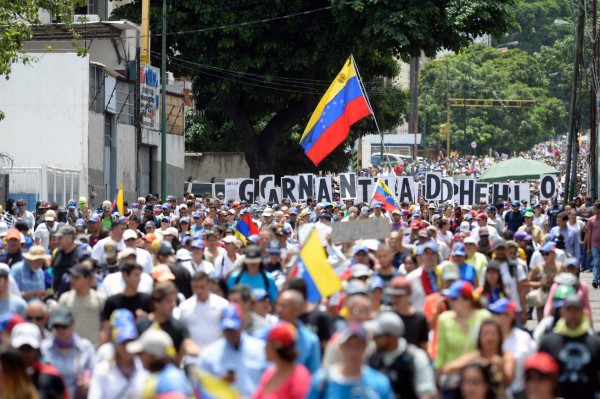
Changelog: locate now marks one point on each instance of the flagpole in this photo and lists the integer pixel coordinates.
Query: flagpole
(362, 86)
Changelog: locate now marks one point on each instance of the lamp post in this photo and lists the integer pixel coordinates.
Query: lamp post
(163, 106)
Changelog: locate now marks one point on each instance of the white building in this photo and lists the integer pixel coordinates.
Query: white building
(73, 124)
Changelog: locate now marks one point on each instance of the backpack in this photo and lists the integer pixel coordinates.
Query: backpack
(401, 372)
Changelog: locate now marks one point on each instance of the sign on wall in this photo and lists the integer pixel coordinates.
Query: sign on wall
(150, 96)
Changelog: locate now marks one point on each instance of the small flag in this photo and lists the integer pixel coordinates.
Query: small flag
(384, 195)
(245, 228)
(207, 386)
(321, 279)
(117, 204)
(343, 105)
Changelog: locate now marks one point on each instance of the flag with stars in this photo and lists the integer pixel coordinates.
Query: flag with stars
(384, 195)
(343, 105)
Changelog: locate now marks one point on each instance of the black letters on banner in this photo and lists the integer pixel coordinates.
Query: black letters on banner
(364, 184)
(405, 189)
(547, 187)
(323, 189)
(433, 186)
(265, 181)
(247, 190)
(466, 191)
(500, 191)
(347, 186)
(287, 188)
(305, 186)
(274, 195)
(481, 193)
(447, 191)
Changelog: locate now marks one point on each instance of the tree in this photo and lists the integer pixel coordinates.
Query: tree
(267, 77)
(16, 18)
(482, 72)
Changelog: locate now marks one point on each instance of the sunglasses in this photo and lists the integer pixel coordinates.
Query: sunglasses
(35, 318)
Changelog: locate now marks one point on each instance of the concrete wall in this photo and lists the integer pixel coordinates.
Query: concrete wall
(96, 160)
(175, 161)
(220, 165)
(126, 160)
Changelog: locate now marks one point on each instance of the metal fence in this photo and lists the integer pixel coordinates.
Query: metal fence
(44, 182)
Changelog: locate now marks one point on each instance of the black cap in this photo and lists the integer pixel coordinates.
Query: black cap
(253, 254)
(325, 215)
(80, 271)
(149, 208)
(574, 300)
(61, 316)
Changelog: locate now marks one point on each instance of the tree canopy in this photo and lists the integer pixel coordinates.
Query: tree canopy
(482, 72)
(264, 65)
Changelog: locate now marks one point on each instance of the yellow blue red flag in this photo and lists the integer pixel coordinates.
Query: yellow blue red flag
(321, 279)
(384, 195)
(343, 105)
(118, 202)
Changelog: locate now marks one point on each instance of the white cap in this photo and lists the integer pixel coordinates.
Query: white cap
(171, 231)
(129, 234)
(153, 342)
(127, 252)
(229, 240)
(26, 334)
(465, 227)
(3, 228)
(268, 212)
(183, 254)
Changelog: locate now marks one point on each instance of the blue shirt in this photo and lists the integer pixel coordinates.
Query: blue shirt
(254, 281)
(247, 361)
(572, 241)
(329, 384)
(467, 273)
(171, 379)
(78, 360)
(13, 304)
(308, 347)
(27, 279)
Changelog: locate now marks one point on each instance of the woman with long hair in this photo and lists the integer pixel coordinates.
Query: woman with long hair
(493, 287)
(15, 383)
(285, 379)
(476, 382)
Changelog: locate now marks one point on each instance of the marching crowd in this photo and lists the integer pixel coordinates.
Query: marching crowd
(209, 297)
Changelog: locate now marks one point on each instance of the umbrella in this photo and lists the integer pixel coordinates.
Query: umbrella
(516, 169)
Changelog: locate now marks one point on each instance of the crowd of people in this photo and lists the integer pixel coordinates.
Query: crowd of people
(210, 297)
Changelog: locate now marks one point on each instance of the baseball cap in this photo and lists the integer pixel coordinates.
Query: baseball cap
(283, 334)
(198, 243)
(469, 240)
(80, 223)
(171, 231)
(528, 214)
(522, 236)
(398, 286)
(386, 323)
(129, 234)
(515, 203)
(122, 323)
(273, 248)
(465, 227)
(231, 317)
(503, 306)
(571, 261)
(253, 254)
(376, 282)
(61, 316)
(259, 294)
(459, 288)
(94, 219)
(126, 253)
(26, 334)
(481, 216)
(162, 273)
(560, 294)
(574, 300)
(499, 244)
(352, 330)
(183, 254)
(153, 342)
(550, 246)
(449, 271)
(459, 249)
(428, 245)
(49, 215)
(361, 248)
(356, 287)
(268, 212)
(110, 248)
(491, 208)
(13, 234)
(359, 270)
(415, 224)
(542, 362)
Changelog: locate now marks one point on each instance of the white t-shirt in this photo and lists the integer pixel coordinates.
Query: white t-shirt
(223, 264)
(521, 345)
(43, 234)
(537, 258)
(512, 283)
(541, 221)
(114, 284)
(203, 319)
(98, 250)
(203, 266)
(144, 259)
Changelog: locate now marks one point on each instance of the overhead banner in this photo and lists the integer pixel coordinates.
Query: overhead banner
(434, 188)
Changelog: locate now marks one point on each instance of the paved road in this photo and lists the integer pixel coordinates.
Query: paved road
(594, 303)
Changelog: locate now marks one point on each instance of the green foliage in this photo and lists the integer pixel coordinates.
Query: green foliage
(268, 77)
(536, 23)
(16, 18)
(482, 72)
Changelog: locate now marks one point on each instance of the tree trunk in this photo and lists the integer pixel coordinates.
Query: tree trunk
(260, 147)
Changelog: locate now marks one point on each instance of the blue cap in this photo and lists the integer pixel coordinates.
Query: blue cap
(417, 213)
(254, 238)
(184, 219)
(259, 294)
(492, 208)
(376, 282)
(469, 216)
(516, 203)
(274, 248)
(325, 215)
(360, 248)
(459, 249)
(503, 306)
(428, 245)
(231, 318)
(377, 205)
(72, 204)
(293, 211)
(197, 215)
(165, 206)
(94, 219)
(80, 223)
(438, 210)
(459, 288)
(326, 204)
(123, 328)
(165, 218)
(135, 206)
(198, 243)
(550, 246)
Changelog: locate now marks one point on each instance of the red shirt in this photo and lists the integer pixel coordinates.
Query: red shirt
(296, 386)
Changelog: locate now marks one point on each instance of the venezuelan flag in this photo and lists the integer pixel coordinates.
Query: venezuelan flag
(343, 104)
(320, 278)
(207, 386)
(245, 227)
(117, 204)
(384, 195)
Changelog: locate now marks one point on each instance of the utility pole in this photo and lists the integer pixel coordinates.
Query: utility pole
(163, 106)
(572, 137)
(593, 178)
(414, 91)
